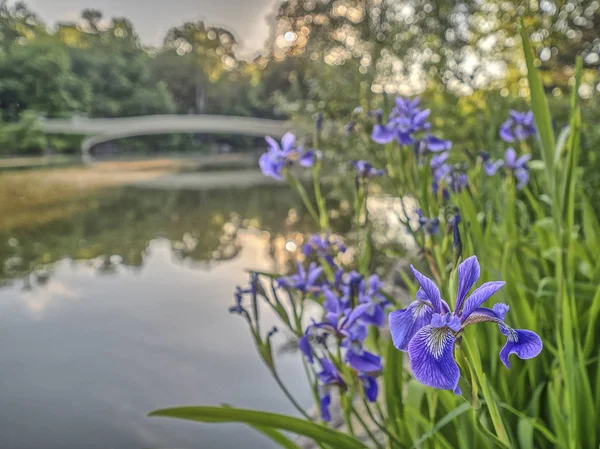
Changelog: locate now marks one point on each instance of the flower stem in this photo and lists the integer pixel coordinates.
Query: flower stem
(299, 188)
(364, 425)
(323, 217)
(289, 395)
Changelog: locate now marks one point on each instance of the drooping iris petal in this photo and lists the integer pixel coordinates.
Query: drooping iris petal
(374, 315)
(325, 403)
(479, 296)
(522, 177)
(287, 142)
(431, 358)
(370, 387)
(363, 361)
(436, 144)
(404, 324)
(308, 158)
(430, 289)
(271, 165)
(404, 137)
(526, 344)
(306, 348)
(505, 132)
(382, 134)
(491, 168)
(468, 273)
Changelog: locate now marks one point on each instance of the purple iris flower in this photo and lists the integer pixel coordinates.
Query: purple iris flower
(328, 377)
(303, 280)
(324, 246)
(428, 330)
(429, 225)
(350, 330)
(519, 126)
(451, 176)
(517, 166)
(365, 169)
(369, 292)
(404, 121)
(278, 156)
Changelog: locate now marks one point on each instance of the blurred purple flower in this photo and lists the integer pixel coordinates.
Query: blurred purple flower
(404, 121)
(519, 126)
(429, 225)
(365, 169)
(303, 280)
(279, 156)
(514, 165)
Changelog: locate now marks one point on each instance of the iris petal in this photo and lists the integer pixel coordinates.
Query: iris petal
(526, 344)
(430, 289)
(325, 402)
(505, 132)
(305, 347)
(479, 296)
(404, 324)
(431, 358)
(287, 142)
(382, 134)
(522, 176)
(272, 143)
(510, 157)
(363, 361)
(468, 274)
(375, 315)
(370, 387)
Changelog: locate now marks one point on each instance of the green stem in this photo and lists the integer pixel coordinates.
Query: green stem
(298, 187)
(289, 395)
(364, 425)
(323, 217)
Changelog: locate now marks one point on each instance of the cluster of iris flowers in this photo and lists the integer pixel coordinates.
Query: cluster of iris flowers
(427, 329)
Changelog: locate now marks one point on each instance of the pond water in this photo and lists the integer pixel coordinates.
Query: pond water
(116, 304)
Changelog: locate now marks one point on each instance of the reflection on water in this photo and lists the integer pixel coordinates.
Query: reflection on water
(122, 308)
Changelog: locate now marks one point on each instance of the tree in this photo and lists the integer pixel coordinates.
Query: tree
(37, 77)
(206, 53)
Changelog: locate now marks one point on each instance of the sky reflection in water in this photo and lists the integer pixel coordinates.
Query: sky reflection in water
(89, 346)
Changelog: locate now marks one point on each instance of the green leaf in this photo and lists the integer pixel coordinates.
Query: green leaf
(211, 414)
(541, 111)
(591, 227)
(462, 408)
(277, 437)
(539, 427)
(393, 386)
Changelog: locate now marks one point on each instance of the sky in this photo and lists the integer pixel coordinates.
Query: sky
(247, 19)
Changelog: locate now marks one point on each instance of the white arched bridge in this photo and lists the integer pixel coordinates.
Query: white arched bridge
(102, 130)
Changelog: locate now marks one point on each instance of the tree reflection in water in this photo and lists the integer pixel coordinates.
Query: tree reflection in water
(115, 228)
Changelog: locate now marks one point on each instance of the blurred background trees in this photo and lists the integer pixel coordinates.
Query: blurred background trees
(322, 55)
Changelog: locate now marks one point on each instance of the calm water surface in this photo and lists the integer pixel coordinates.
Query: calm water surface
(119, 306)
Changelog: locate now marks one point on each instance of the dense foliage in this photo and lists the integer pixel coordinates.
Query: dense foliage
(434, 380)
